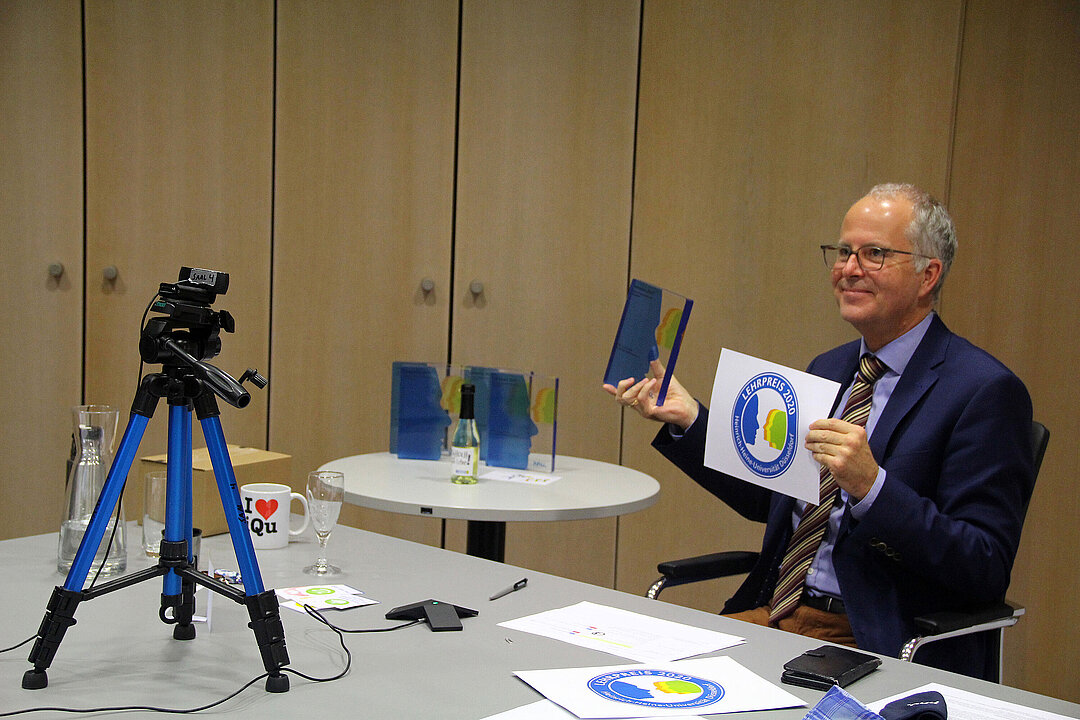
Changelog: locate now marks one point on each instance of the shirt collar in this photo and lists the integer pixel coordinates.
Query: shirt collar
(897, 353)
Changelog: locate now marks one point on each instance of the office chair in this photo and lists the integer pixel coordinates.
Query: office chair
(933, 627)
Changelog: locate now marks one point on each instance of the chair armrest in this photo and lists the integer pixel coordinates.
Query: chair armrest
(702, 567)
(950, 620)
(950, 624)
(706, 567)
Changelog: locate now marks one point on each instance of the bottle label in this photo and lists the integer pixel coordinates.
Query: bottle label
(464, 461)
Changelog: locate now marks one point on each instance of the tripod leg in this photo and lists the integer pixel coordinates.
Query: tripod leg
(178, 593)
(262, 604)
(60, 612)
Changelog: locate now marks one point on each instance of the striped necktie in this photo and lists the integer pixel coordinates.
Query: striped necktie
(810, 531)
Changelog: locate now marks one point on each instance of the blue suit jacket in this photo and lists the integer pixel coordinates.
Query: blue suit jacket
(954, 440)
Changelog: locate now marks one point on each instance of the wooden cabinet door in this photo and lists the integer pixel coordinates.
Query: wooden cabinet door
(543, 209)
(179, 119)
(40, 226)
(363, 211)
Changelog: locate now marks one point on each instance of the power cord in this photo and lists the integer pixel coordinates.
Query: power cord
(119, 500)
(311, 612)
(16, 647)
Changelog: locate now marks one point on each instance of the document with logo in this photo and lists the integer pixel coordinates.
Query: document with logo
(759, 415)
(623, 633)
(686, 687)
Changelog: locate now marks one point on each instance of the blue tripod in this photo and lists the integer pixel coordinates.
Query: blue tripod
(187, 386)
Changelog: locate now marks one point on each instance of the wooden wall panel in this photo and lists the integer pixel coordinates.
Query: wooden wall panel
(543, 212)
(759, 125)
(1015, 170)
(179, 104)
(40, 224)
(363, 214)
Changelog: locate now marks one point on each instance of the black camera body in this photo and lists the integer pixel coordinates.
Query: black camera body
(189, 321)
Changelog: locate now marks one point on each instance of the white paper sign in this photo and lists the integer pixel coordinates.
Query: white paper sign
(759, 415)
(685, 687)
(624, 633)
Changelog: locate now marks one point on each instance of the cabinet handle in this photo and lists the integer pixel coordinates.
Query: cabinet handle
(110, 273)
(427, 284)
(56, 269)
(476, 287)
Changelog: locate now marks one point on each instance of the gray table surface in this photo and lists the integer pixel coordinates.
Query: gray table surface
(119, 653)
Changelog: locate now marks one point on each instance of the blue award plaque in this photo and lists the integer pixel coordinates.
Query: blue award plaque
(516, 413)
(418, 420)
(652, 326)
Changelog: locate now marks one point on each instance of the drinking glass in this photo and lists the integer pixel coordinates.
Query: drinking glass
(325, 492)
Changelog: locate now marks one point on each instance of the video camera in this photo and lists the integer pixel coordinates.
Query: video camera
(190, 322)
(188, 334)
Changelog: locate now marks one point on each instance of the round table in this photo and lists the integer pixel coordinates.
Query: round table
(586, 489)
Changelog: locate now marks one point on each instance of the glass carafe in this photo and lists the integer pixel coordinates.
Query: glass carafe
(94, 430)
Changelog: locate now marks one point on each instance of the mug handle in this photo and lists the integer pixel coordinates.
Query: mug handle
(303, 526)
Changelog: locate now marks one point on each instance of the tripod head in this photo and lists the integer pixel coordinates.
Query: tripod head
(189, 333)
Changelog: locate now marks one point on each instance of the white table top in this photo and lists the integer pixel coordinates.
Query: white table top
(586, 489)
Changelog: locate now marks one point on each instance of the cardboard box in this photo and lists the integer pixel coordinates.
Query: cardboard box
(250, 465)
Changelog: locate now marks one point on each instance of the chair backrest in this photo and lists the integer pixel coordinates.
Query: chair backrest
(1040, 438)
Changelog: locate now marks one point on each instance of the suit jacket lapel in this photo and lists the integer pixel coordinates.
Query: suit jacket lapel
(919, 376)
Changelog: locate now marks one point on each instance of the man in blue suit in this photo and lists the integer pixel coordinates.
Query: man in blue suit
(933, 490)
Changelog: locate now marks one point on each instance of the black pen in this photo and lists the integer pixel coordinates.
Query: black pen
(516, 586)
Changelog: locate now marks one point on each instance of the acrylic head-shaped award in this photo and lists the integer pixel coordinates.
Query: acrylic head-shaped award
(516, 412)
(651, 328)
(418, 418)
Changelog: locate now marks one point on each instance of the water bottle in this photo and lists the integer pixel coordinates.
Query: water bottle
(85, 482)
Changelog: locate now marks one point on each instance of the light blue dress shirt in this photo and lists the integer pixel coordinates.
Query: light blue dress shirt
(821, 577)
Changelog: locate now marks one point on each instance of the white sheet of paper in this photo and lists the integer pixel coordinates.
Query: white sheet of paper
(965, 705)
(623, 633)
(759, 415)
(520, 476)
(704, 685)
(547, 710)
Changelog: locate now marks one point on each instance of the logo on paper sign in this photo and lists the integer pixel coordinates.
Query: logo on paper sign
(656, 688)
(763, 424)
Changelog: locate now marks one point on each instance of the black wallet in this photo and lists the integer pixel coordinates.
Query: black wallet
(828, 665)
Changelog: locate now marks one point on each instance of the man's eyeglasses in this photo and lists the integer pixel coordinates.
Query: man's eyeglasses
(869, 257)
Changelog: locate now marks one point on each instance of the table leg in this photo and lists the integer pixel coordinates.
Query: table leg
(487, 539)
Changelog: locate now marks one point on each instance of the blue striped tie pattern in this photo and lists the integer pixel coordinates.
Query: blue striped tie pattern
(808, 535)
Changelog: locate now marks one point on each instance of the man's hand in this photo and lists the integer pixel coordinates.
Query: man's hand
(843, 448)
(679, 408)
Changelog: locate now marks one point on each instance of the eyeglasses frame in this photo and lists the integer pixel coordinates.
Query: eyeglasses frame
(858, 256)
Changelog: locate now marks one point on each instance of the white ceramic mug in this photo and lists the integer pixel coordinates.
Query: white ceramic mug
(267, 508)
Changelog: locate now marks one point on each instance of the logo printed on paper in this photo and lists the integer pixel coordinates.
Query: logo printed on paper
(656, 688)
(763, 424)
(266, 508)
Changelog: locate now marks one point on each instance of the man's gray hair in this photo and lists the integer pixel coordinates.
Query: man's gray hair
(931, 231)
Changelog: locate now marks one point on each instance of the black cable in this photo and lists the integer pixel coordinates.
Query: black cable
(312, 613)
(132, 708)
(108, 548)
(315, 614)
(16, 647)
(120, 500)
(142, 326)
(146, 708)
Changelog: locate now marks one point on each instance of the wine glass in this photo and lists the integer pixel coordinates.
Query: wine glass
(325, 492)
